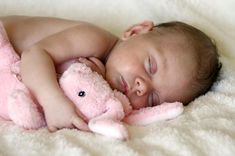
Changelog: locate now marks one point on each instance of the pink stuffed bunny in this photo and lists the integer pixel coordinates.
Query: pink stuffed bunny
(103, 108)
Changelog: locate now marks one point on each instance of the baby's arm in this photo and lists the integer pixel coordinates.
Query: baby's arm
(39, 74)
(38, 71)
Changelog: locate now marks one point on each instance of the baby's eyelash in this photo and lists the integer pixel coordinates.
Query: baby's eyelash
(156, 99)
(152, 65)
(150, 100)
(153, 100)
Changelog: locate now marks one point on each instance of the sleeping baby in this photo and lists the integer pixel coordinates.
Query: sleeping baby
(150, 64)
(102, 108)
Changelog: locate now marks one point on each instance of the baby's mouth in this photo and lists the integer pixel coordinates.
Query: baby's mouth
(124, 85)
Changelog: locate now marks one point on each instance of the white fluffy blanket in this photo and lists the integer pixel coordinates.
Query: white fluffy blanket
(207, 126)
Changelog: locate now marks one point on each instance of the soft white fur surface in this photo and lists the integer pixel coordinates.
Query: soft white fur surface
(207, 126)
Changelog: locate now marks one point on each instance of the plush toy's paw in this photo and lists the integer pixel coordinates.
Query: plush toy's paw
(109, 128)
(24, 112)
(165, 111)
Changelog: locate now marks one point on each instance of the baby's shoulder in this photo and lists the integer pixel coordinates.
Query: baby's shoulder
(79, 35)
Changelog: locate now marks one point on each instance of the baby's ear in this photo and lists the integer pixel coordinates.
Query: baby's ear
(139, 28)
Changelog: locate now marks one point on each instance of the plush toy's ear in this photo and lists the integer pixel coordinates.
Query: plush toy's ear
(77, 68)
(61, 68)
(149, 115)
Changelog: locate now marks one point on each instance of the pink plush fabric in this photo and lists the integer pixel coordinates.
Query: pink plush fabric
(103, 108)
(16, 102)
(6, 78)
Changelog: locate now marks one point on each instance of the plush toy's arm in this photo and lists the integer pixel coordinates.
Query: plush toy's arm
(149, 115)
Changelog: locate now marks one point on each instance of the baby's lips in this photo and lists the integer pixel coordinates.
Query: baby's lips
(124, 85)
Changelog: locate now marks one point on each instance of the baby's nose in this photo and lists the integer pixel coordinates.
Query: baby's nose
(140, 87)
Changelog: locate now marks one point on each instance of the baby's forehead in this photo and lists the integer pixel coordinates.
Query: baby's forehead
(168, 34)
(175, 47)
(170, 40)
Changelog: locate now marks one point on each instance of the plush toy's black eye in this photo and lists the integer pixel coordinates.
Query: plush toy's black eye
(81, 93)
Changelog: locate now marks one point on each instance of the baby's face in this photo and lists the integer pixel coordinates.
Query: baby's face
(151, 69)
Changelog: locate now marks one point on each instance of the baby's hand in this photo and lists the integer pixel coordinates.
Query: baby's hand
(62, 114)
(94, 63)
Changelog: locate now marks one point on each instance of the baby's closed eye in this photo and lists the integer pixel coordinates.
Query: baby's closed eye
(152, 65)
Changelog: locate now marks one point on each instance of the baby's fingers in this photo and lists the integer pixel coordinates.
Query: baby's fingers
(80, 124)
(99, 64)
(86, 61)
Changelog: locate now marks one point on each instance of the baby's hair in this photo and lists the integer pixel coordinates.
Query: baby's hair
(206, 55)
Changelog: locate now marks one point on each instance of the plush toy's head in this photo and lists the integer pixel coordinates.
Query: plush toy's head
(87, 89)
